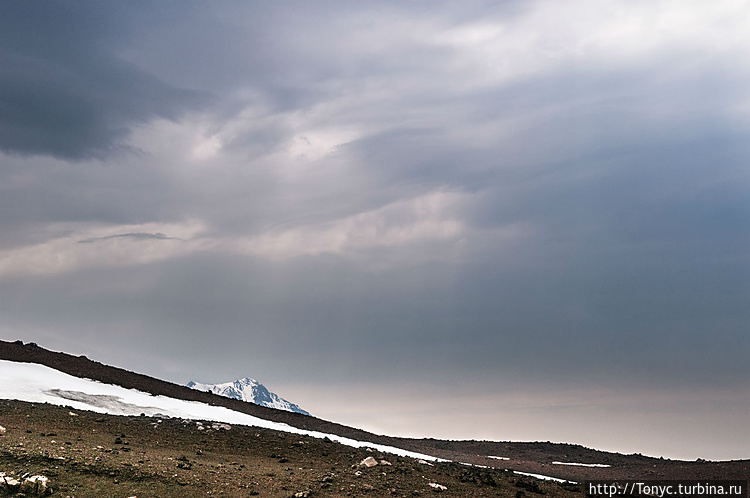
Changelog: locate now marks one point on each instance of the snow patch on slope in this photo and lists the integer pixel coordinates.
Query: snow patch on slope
(542, 477)
(41, 384)
(602, 465)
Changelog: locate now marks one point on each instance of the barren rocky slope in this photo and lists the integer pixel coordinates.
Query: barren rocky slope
(526, 457)
(87, 454)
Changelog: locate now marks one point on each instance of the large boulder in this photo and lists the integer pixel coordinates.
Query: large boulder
(35, 486)
(29, 486)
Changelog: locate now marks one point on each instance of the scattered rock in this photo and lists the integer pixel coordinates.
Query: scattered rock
(7, 483)
(438, 488)
(385, 462)
(368, 462)
(35, 486)
(529, 485)
(2, 429)
(302, 494)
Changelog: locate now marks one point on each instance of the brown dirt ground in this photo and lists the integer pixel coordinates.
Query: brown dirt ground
(92, 455)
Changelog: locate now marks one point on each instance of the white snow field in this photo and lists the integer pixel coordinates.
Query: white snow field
(542, 477)
(602, 465)
(40, 384)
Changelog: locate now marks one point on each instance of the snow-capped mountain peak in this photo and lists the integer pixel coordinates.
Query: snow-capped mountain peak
(248, 389)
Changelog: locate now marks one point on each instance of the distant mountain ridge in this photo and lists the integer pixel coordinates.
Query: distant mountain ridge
(248, 389)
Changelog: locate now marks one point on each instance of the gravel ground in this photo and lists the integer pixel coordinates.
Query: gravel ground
(87, 454)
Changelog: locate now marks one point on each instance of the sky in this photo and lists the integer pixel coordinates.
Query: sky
(509, 220)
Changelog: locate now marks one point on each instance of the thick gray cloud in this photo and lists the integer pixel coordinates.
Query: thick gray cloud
(526, 201)
(65, 90)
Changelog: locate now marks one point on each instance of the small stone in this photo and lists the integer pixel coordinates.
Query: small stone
(11, 483)
(438, 488)
(368, 462)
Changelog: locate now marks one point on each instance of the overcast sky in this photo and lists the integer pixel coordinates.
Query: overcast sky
(505, 220)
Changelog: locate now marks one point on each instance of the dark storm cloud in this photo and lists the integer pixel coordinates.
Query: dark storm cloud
(64, 91)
